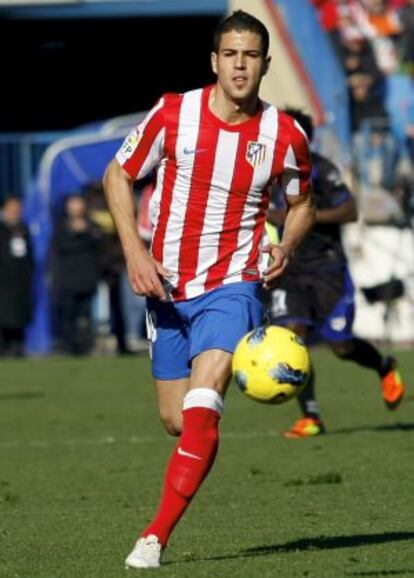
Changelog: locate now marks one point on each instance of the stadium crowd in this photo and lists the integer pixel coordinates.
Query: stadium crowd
(374, 40)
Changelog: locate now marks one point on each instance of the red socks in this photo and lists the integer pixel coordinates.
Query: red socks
(191, 460)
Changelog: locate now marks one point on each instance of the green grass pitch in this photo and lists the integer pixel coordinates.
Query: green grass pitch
(82, 456)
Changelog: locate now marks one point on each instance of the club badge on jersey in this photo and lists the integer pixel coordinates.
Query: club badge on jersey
(255, 153)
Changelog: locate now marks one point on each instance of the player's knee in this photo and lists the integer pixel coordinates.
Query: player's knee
(172, 424)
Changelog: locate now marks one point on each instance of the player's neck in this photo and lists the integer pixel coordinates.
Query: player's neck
(229, 110)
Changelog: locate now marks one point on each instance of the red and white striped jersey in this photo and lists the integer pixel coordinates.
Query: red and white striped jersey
(213, 185)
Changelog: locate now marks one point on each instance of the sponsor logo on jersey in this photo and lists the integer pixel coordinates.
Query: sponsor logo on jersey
(130, 144)
(255, 153)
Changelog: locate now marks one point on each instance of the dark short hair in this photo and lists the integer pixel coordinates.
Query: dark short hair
(305, 120)
(240, 21)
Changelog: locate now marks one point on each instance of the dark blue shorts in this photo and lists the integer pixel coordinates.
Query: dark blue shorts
(178, 331)
(323, 302)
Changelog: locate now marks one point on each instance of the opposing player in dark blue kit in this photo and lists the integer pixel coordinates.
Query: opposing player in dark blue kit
(316, 292)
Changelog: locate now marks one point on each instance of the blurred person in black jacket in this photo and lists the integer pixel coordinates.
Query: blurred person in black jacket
(16, 269)
(112, 261)
(76, 265)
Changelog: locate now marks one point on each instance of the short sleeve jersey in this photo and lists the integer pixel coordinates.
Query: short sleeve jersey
(213, 186)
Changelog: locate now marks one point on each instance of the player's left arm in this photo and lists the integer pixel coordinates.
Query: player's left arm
(296, 184)
(299, 220)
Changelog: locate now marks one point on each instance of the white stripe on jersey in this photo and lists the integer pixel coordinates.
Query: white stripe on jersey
(154, 204)
(154, 155)
(186, 141)
(267, 134)
(224, 164)
(290, 179)
(299, 127)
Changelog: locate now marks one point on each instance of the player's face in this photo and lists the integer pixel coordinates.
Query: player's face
(240, 64)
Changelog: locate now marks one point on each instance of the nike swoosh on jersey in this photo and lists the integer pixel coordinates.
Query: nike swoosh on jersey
(188, 151)
(181, 452)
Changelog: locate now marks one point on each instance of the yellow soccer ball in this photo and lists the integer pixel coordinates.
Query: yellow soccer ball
(271, 364)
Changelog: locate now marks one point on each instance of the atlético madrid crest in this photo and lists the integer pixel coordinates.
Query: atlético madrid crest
(255, 153)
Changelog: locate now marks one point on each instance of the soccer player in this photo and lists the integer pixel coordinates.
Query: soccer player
(217, 150)
(316, 291)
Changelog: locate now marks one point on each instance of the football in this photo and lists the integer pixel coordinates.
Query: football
(271, 364)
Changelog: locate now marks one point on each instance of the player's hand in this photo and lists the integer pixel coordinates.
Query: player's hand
(146, 274)
(279, 261)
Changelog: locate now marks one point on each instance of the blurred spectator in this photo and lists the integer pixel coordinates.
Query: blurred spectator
(75, 273)
(329, 18)
(373, 145)
(410, 123)
(398, 4)
(328, 13)
(135, 305)
(384, 28)
(376, 21)
(407, 36)
(113, 263)
(351, 20)
(382, 18)
(16, 269)
(365, 82)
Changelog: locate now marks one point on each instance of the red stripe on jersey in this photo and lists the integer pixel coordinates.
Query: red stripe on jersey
(194, 218)
(172, 117)
(252, 261)
(240, 186)
(283, 140)
(151, 131)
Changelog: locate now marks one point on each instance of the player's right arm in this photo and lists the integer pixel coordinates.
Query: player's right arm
(141, 151)
(143, 271)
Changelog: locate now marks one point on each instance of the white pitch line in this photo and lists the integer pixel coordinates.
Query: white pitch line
(108, 440)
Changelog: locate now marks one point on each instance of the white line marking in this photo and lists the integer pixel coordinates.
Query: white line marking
(107, 440)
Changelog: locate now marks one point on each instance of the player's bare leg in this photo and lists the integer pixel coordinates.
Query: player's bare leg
(212, 369)
(170, 395)
(195, 452)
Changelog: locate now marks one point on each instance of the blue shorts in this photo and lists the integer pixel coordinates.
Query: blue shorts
(178, 331)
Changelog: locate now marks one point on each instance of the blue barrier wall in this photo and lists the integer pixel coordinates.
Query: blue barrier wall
(20, 156)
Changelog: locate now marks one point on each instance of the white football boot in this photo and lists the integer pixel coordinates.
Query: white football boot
(147, 553)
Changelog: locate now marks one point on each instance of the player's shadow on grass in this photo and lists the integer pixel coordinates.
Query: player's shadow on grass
(319, 543)
(329, 543)
(376, 428)
(21, 395)
(400, 572)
